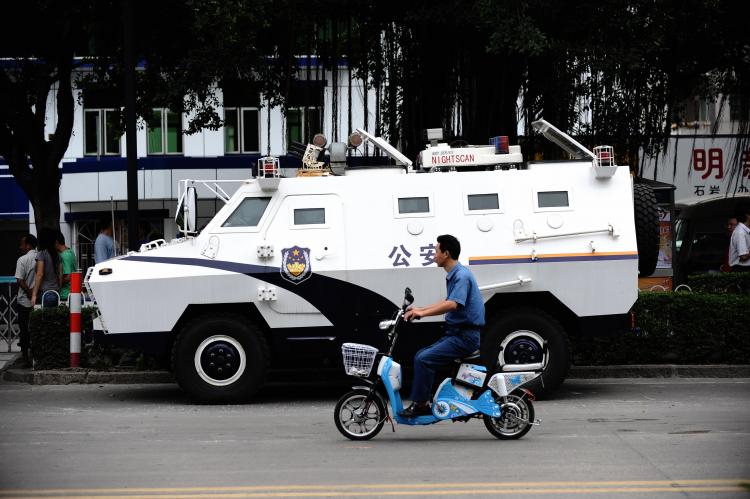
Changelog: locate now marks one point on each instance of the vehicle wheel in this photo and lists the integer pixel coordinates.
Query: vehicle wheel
(517, 337)
(357, 420)
(517, 414)
(646, 228)
(220, 359)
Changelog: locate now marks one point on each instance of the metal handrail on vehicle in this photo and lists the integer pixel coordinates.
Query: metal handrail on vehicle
(182, 186)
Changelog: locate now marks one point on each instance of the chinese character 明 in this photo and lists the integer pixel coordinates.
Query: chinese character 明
(745, 164)
(700, 190)
(399, 260)
(428, 253)
(713, 189)
(715, 161)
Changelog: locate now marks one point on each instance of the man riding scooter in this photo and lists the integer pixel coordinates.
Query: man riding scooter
(464, 317)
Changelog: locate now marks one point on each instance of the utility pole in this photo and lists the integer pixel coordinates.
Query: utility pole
(130, 130)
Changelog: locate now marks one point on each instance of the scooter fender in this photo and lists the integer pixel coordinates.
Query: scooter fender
(504, 383)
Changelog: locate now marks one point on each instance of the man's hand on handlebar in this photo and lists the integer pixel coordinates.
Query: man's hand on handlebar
(413, 313)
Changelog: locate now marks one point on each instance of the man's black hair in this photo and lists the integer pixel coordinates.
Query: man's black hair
(105, 222)
(450, 244)
(60, 238)
(30, 240)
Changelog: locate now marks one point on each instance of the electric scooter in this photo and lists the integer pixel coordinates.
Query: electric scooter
(501, 401)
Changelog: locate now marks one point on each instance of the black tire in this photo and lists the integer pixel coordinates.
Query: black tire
(220, 359)
(522, 333)
(646, 228)
(516, 418)
(350, 423)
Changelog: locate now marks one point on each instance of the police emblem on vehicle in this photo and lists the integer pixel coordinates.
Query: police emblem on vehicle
(295, 264)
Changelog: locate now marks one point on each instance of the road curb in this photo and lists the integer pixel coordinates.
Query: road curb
(86, 376)
(660, 371)
(91, 376)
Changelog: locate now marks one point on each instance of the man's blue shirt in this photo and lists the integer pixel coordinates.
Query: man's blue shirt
(104, 248)
(463, 289)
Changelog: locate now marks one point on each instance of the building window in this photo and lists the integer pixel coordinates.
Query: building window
(302, 123)
(739, 107)
(101, 135)
(165, 132)
(241, 130)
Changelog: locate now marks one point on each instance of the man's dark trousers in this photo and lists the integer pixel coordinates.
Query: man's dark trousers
(454, 345)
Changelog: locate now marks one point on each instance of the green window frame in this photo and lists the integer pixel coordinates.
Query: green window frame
(101, 134)
(165, 132)
(241, 130)
(302, 123)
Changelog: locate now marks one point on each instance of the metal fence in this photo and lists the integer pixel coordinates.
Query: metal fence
(8, 314)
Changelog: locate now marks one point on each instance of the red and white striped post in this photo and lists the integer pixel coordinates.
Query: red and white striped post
(75, 319)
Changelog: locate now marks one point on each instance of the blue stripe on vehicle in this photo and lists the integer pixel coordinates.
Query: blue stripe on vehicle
(345, 304)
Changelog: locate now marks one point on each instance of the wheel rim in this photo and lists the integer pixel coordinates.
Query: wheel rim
(514, 416)
(358, 420)
(220, 360)
(521, 347)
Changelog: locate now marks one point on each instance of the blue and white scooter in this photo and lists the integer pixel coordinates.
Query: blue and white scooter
(501, 402)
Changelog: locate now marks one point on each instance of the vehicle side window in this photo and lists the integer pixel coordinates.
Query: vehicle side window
(248, 213)
(414, 205)
(553, 199)
(309, 216)
(483, 202)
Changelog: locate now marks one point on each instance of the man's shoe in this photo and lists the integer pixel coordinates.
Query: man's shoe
(415, 410)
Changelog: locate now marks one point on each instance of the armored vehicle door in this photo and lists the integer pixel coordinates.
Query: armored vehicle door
(308, 236)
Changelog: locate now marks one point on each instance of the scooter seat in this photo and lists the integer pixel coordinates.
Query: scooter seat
(473, 356)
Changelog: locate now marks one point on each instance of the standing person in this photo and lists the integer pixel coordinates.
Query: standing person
(464, 317)
(739, 246)
(68, 259)
(48, 269)
(731, 225)
(25, 272)
(104, 246)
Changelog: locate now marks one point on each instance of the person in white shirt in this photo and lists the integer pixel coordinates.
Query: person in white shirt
(739, 246)
(25, 275)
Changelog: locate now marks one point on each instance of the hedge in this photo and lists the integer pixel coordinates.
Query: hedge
(729, 282)
(677, 328)
(673, 327)
(50, 341)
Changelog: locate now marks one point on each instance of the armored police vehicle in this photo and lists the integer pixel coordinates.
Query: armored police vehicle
(292, 267)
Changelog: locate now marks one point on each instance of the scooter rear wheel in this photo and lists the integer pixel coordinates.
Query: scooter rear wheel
(358, 418)
(517, 414)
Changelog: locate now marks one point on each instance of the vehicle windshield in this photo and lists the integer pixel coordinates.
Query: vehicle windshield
(248, 213)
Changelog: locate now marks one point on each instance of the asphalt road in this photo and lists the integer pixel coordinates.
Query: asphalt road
(599, 438)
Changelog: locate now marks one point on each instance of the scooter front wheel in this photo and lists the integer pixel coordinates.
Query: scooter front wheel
(517, 416)
(358, 415)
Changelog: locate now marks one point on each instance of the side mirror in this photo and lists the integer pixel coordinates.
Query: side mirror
(187, 213)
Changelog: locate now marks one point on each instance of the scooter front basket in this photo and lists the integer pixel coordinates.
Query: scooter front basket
(358, 359)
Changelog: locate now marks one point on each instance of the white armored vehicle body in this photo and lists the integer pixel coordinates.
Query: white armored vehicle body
(290, 268)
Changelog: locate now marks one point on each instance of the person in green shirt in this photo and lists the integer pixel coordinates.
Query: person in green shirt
(68, 259)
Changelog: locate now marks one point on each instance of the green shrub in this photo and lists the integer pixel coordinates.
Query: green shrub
(679, 328)
(50, 335)
(50, 343)
(728, 282)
